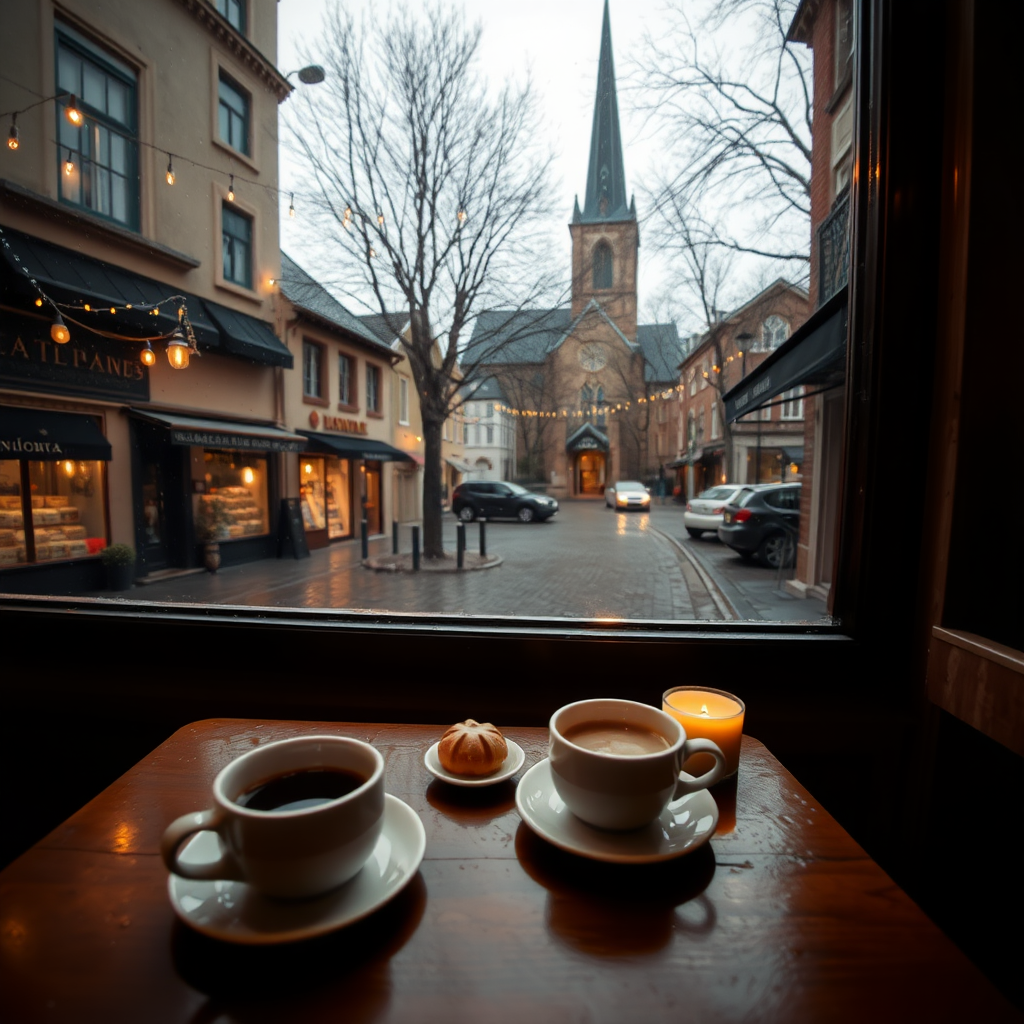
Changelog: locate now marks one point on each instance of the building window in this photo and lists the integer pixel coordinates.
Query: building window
(700, 425)
(372, 388)
(774, 332)
(237, 496)
(490, 434)
(312, 375)
(99, 160)
(346, 380)
(602, 265)
(234, 114)
(844, 40)
(403, 400)
(704, 371)
(236, 230)
(716, 430)
(693, 380)
(234, 11)
(792, 407)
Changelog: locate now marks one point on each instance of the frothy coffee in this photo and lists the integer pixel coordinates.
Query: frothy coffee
(616, 738)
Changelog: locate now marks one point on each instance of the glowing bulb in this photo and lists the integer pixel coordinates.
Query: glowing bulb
(380, 219)
(39, 302)
(248, 475)
(231, 190)
(87, 308)
(59, 332)
(291, 205)
(69, 165)
(178, 351)
(147, 356)
(170, 171)
(72, 113)
(12, 138)
(69, 468)
(461, 215)
(307, 469)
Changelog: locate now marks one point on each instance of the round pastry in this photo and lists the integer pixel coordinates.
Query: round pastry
(472, 748)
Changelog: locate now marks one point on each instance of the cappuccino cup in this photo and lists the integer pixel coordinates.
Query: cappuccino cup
(616, 763)
(295, 818)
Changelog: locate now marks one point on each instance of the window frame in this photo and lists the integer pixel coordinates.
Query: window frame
(373, 390)
(603, 274)
(226, 80)
(243, 15)
(314, 354)
(403, 400)
(233, 209)
(344, 359)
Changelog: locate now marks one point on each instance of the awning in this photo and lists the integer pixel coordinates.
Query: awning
(587, 438)
(353, 447)
(462, 467)
(793, 454)
(207, 433)
(815, 356)
(42, 435)
(248, 337)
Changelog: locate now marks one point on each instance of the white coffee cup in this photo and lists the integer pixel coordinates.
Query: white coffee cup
(289, 852)
(616, 763)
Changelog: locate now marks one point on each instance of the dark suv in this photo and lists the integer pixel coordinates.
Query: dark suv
(763, 521)
(498, 499)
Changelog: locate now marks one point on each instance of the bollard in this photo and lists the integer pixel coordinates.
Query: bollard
(394, 536)
(364, 532)
(460, 544)
(415, 549)
(483, 538)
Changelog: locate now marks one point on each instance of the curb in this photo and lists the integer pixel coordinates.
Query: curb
(403, 563)
(722, 603)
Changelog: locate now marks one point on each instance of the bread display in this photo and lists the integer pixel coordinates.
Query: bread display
(472, 749)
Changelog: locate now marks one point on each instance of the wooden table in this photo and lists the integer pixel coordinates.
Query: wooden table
(781, 917)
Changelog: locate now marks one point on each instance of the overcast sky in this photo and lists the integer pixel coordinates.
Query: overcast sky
(558, 41)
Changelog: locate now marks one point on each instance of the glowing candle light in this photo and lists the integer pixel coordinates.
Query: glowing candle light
(709, 714)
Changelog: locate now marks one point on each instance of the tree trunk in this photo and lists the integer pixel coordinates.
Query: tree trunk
(433, 545)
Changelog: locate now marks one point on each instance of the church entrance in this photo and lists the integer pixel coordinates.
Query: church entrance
(590, 474)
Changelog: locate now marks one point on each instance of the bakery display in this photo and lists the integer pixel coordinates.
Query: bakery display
(472, 749)
(57, 531)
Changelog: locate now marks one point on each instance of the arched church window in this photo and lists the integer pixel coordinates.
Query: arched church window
(587, 402)
(600, 406)
(774, 332)
(602, 265)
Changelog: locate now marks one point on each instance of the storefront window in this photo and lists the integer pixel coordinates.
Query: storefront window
(66, 514)
(339, 498)
(235, 499)
(312, 493)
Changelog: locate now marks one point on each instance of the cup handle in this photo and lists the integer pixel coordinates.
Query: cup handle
(225, 867)
(709, 778)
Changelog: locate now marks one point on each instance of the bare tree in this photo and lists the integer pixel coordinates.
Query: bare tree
(431, 190)
(737, 103)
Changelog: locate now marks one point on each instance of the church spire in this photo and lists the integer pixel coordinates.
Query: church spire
(605, 199)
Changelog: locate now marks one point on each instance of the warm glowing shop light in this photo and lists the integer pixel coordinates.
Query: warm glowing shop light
(178, 351)
(72, 113)
(147, 356)
(59, 331)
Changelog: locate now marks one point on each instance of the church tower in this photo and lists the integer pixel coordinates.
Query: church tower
(605, 236)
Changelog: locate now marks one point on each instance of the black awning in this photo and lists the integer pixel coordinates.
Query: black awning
(354, 447)
(42, 435)
(245, 336)
(793, 453)
(68, 276)
(210, 433)
(815, 356)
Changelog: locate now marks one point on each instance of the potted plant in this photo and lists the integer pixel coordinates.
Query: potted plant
(119, 562)
(212, 527)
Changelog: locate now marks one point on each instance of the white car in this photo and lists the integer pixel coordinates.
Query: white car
(705, 511)
(627, 494)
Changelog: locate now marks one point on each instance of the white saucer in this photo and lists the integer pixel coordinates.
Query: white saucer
(235, 913)
(512, 763)
(683, 826)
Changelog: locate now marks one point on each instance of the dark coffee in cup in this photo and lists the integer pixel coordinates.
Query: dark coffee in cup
(294, 791)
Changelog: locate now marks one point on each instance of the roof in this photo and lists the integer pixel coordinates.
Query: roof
(662, 351)
(386, 326)
(486, 390)
(309, 296)
(516, 336)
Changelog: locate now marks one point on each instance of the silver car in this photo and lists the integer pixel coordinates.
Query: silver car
(704, 513)
(627, 494)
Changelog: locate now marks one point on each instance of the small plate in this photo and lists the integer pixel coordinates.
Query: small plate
(508, 768)
(232, 911)
(684, 825)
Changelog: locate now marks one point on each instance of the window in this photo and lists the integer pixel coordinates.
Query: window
(312, 376)
(704, 371)
(236, 230)
(792, 407)
(234, 11)
(844, 40)
(490, 434)
(700, 425)
(99, 160)
(233, 107)
(774, 332)
(716, 430)
(346, 380)
(403, 400)
(602, 265)
(693, 380)
(372, 388)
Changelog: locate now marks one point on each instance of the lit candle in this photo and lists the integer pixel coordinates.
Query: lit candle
(708, 714)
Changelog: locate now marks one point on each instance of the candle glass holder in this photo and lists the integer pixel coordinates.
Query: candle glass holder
(710, 714)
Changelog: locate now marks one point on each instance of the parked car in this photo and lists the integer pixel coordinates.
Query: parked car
(704, 513)
(763, 522)
(499, 499)
(627, 494)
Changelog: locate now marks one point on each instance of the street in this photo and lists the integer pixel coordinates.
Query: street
(588, 562)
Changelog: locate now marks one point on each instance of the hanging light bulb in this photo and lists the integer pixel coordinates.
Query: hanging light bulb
(170, 171)
(231, 190)
(39, 302)
(177, 350)
(69, 165)
(12, 138)
(72, 113)
(59, 332)
(69, 468)
(291, 205)
(461, 217)
(147, 356)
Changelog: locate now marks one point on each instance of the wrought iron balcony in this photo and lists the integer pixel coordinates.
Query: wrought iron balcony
(834, 249)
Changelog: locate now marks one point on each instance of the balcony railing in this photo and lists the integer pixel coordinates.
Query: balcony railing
(834, 249)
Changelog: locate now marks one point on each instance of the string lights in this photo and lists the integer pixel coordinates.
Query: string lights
(169, 176)
(231, 190)
(606, 408)
(12, 138)
(69, 165)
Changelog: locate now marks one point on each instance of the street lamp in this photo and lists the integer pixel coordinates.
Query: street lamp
(312, 74)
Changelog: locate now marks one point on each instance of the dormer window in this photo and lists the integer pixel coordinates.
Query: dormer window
(602, 265)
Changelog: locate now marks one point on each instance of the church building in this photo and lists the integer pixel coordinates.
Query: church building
(585, 383)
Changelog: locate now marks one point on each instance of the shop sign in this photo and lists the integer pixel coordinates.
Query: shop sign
(86, 365)
(344, 426)
(239, 442)
(585, 442)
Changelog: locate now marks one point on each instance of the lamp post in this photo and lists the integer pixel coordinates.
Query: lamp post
(744, 338)
(312, 74)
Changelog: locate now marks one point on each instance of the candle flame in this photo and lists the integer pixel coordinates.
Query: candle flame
(703, 709)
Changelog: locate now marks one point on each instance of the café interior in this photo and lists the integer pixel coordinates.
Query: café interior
(904, 719)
